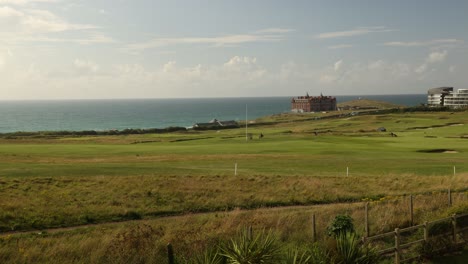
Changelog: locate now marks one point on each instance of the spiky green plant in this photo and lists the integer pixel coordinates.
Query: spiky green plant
(350, 250)
(319, 255)
(208, 257)
(252, 249)
(294, 256)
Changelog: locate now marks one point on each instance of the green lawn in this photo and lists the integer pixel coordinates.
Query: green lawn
(194, 171)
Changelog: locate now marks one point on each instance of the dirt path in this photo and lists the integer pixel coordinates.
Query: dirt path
(175, 216)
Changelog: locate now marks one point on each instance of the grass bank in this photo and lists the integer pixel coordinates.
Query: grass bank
(69, 180)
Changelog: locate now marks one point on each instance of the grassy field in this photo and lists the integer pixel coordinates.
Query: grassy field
(50, 181)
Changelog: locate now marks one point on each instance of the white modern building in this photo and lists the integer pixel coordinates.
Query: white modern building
(458, 99)
(445, 96)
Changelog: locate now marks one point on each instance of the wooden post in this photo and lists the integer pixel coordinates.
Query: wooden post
(170, 253)
(397, 246)
(366, 218)
(426, 231)
(411, 210)
(449, 197)
(347, 171)
(314, 232)
(246, 124)
(235, 169)
(454, 229)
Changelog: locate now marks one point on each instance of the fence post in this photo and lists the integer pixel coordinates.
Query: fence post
(314, 232)
(411, 210)
(397, 246)
(426, 231)
(366, 218)
(449, 197)
(170, 253)
(454, 228)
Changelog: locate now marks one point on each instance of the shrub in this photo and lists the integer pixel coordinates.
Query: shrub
(134, 245)
(208, 257)
(350, 250)
(318, 255)
(435, 246)
(294, 256)
(341, 224)
(249, 249)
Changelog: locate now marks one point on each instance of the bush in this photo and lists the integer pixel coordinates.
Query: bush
(295, 256)
(249, 249)
(209, 257)
(350, 250)
(341, 224)
(435, 246)
(318, 255)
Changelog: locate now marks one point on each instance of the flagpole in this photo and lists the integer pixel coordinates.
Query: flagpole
(246, 137)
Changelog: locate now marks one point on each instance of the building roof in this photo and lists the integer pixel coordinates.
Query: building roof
(440, 90)
(216, 123)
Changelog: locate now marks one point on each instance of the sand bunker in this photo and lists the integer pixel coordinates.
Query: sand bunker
(438, 151)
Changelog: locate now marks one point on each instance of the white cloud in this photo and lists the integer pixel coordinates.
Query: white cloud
(432, 58)
(2, 62)
(422, 43)
(266, 35)
(8, 12)
(236, 76)
(86, 39)
(275, 30)
(25, 2)
(437, 56)
(86, 66)
(368, 74)
(341, 46)
(239, 66)
(338, 65)
(169, 67)
(21, 24)
(354, 32)
(237, 60)
(4, 57)
(34, 21)
(379, 64)
(421, 69)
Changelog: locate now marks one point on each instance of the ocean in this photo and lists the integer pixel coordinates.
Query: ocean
(99, 115)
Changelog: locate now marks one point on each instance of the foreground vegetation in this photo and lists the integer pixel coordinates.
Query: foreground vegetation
(320, 163)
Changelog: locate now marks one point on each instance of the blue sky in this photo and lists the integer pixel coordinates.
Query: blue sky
(90, 49)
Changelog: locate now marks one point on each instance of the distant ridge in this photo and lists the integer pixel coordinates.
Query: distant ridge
(367, 104)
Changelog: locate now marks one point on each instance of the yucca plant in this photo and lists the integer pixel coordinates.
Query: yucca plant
(294, 256)
(319, 255)
(350, 250)
(249, 249)
(208, 257)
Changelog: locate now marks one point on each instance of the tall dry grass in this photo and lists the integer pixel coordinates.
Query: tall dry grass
(38, 203)
(145, 240)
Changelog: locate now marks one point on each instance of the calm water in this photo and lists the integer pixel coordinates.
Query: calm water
(149, 113)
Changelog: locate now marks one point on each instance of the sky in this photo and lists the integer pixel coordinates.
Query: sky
(104, 49)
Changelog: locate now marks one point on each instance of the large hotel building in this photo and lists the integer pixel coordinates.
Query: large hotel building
(313, 103)
(445, 96)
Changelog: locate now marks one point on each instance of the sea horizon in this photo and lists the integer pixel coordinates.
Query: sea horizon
(194, 98)
(145, 113)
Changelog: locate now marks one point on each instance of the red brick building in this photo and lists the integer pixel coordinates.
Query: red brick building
(313, 103)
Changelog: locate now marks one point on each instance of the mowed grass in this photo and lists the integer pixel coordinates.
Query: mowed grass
(65, 181)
